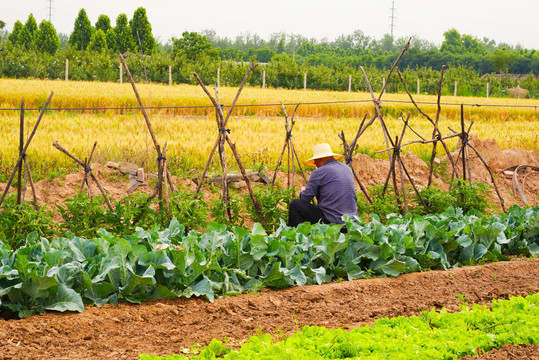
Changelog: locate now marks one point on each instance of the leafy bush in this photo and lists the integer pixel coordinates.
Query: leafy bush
(435, 200)
(470, 195)
(17, 221)
(235, 208)
(190, 209)
(381, 205)
(83, 217)
(273, 203)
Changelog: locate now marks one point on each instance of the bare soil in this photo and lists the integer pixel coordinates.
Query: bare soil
(509, 352)
(164, 327)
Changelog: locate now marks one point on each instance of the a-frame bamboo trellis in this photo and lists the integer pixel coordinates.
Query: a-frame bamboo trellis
(288, 144)
(87, 172)
(22, 156)
(397, 145)
(222, 138)
(163, 176)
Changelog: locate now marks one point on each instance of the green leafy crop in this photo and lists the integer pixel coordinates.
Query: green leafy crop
(169, 263)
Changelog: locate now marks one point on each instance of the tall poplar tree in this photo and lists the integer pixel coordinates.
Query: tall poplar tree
(15, 35)
(28, 35)
(82, 33)
(142, 29)
(47, 39)
(98, 42)
(103, 23)
(124, 37)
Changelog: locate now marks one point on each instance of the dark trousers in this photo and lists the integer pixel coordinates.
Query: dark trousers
(300, 211)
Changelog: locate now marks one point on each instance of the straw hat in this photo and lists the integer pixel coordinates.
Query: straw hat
(321, 151)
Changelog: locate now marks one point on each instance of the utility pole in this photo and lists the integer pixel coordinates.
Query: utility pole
(392, 18)
(50, 8)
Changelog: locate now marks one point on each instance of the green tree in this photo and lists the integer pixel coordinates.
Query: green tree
(193, 47)
(142, 32)
(124, 37)
(387, 43)
(2, 24)
(502, 59)
(15, 35)
(47, 39)
(112, 41)
(103, 23)
(456, 43)
(280, 47)
(452, 42)
(82, 33)
(30, 33)
(98, 42)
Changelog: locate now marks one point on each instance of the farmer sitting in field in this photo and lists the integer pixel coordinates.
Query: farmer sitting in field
(332, 183)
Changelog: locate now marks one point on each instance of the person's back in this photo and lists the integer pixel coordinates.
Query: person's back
(335, 191)
(332, 184)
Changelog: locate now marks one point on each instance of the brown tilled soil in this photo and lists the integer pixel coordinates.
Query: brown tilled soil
(167, 326)
(509, 352)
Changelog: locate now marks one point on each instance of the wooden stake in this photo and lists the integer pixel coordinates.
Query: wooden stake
(435, 130)
(29, 173)
(21, 145)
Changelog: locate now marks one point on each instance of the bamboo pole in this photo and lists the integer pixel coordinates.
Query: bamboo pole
(348, 153)
(438, 111)
(502, 201)
(21, 145)
(29, 173)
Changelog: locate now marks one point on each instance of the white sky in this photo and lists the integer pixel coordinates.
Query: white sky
(503, 21)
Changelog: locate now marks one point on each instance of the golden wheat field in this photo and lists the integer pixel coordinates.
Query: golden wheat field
(257, 125)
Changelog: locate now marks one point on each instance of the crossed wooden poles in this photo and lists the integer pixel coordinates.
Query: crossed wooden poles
(222, 138)
(87, 172)
(463, 154)
(349, 152)
(395, 149)
(22, 157)
(288, 144)
(163, 176)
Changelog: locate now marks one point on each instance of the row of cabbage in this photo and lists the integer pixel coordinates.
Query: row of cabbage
(69, 272)
(430, 336)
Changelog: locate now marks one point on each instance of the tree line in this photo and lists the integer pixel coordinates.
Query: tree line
(32, 50)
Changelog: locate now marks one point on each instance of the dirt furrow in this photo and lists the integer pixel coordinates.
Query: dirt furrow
(166, 326)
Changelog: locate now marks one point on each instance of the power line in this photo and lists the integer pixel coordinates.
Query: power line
(267, 105)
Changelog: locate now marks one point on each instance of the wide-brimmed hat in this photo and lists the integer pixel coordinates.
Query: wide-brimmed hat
(321, 151)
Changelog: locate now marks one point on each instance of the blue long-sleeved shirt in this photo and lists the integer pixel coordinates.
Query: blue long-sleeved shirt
(333, 186)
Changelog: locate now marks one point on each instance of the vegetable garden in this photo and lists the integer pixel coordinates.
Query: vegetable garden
(156, 274)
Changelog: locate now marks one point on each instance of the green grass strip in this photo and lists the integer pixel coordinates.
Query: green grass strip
(433, 335)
